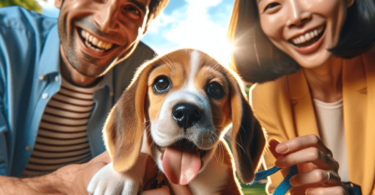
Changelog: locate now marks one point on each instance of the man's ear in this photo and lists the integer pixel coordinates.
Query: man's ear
(58, 3)
(349, 3)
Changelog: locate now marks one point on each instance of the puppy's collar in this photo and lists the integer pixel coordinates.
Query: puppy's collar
(284, 186)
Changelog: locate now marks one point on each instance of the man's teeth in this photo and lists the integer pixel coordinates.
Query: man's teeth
(308, 36)
(95, 41)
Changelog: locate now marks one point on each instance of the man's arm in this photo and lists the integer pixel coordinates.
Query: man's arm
(71, 179)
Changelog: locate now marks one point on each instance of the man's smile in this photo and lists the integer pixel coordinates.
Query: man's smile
(94, 42)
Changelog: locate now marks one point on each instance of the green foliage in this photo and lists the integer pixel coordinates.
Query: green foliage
(28, 4)
(247, 88)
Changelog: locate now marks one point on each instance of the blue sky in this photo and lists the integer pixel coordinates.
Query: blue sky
(200, 24)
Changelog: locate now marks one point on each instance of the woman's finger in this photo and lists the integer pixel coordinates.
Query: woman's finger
(308, 155)
(316, 176)
(272, 146)
(334, 190)
(302, 142)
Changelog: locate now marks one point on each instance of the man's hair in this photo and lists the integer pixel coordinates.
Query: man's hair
(155, 7)
(257, 60)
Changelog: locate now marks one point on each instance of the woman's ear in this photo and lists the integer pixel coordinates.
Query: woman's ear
(58, 3)
(349, 3)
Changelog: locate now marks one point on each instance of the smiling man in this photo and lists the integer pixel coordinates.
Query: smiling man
(58, 80)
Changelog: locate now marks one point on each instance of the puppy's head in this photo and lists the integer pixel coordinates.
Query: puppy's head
(187, 99)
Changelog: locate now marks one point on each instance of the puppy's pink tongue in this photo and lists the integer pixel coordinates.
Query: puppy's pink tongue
(181, 165)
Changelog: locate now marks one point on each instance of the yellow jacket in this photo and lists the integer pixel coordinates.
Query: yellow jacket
(284, 108)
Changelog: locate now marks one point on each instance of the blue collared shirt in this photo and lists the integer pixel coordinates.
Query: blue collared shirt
(30, 76)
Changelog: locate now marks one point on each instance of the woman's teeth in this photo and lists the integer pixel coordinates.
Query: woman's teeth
(99, 44)
(308, 36)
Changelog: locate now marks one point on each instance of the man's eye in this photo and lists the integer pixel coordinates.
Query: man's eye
(132, 10)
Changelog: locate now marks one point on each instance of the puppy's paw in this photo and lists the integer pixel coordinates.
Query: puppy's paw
(109, 182)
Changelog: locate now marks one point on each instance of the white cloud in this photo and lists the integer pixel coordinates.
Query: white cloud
(193, 29)
(45, 4)
(48, 7)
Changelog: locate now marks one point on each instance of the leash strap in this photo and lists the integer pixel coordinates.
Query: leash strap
(284, 186)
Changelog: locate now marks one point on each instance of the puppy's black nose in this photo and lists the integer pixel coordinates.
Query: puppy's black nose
(186, 114)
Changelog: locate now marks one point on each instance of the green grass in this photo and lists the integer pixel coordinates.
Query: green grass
(256, 189)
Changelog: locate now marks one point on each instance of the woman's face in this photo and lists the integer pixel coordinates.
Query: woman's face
(303, 29)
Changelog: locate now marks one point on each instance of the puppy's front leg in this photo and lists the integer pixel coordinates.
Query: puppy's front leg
(108, 181)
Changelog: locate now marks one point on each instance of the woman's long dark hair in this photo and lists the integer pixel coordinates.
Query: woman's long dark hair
(257, 60)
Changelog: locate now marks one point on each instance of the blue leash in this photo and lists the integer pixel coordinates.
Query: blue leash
(284, 186)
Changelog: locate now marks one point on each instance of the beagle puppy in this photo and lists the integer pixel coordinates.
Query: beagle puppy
(185, 102)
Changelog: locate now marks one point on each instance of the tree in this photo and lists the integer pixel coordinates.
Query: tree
(28, 4)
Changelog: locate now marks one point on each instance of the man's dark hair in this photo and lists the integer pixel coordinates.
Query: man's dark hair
(155, 7)
(257, 60)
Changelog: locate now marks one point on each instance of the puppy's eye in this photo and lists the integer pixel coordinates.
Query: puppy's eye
(161, 85)
(215, 90)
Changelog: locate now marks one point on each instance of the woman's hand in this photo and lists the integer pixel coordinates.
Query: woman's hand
(318, 170)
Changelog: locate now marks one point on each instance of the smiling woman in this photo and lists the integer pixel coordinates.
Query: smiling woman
(316, 62)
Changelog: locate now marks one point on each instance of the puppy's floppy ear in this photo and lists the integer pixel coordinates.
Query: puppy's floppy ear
(248, 140)
(125, 124)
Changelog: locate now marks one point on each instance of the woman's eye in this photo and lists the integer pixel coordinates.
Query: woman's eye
(215, 90)
(161, 85)
(271, 6)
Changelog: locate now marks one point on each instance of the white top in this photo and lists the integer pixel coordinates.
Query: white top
(62, 137)
(332, 131)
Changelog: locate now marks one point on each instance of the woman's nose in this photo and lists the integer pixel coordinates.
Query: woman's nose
(105, 17)
(297, 14)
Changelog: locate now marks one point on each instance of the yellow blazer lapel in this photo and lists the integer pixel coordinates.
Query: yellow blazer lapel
(302, 106)
(359, 116)
(354, 105)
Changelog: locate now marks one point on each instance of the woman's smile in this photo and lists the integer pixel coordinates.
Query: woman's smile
(310, 41)
(308, 38)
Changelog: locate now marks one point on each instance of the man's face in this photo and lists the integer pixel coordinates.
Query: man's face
(95, 33)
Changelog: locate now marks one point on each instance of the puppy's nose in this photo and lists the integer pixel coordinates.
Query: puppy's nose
(186, 114)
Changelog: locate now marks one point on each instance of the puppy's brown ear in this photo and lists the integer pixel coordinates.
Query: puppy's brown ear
(248, 140)
(125, 124)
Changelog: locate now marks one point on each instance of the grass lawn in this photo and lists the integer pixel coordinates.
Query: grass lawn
(256, 189)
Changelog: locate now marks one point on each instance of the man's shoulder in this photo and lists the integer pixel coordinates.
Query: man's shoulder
(144, 51)
(19, 18)
(140, 55)
(124, 71)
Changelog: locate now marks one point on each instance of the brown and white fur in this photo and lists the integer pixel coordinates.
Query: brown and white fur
(203, 100)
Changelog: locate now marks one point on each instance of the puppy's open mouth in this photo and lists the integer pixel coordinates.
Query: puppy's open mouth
(181, 161)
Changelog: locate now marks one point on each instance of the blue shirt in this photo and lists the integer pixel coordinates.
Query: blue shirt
(30, 76)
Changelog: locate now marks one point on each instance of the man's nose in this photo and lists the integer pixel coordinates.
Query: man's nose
(107, 16)
(297, 14)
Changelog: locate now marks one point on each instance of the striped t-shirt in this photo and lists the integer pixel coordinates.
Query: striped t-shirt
(62, 137)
